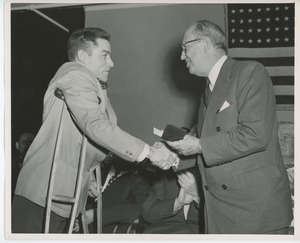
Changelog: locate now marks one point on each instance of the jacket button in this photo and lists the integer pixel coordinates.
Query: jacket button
(206, 188)
(218, 129)
(224, 187)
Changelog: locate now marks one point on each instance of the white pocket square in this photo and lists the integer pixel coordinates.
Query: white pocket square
(224, 106)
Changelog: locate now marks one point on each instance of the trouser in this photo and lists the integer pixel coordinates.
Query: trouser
(283, 231)
(28, 217)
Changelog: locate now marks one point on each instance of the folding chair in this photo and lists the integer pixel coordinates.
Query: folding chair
(61, 198)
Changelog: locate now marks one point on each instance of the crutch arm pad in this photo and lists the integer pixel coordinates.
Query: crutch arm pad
(59, 94)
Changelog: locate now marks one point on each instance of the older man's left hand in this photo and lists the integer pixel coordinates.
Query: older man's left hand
(189, 145)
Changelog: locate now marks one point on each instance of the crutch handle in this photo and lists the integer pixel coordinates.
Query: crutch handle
(59, 94)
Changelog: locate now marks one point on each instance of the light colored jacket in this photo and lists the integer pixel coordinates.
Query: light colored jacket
(89, 111)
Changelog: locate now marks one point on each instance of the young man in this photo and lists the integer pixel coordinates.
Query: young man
(83, 81)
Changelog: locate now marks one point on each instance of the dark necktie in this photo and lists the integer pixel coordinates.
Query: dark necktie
(104, 173)
(104, 85)
(207, 93)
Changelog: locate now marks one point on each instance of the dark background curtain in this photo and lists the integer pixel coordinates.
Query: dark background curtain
(38, 49)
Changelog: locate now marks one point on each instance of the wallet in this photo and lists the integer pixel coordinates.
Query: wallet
(173, 133)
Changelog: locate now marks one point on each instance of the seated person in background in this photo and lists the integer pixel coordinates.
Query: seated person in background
(286, 141)
(173, 205)
(21, 146)
(124, 191)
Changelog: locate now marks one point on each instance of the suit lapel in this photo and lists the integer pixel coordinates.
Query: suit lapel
(218, 95)
(105, 104)
(201, 114)
(111, 113)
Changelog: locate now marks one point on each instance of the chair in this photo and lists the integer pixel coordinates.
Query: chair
(135, 227)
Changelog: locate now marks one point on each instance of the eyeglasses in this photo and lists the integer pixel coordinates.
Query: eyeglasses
(285, 138)
(183, 45)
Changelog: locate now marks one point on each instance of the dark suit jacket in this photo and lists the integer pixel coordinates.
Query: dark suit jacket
(159, 205)
(122, 201)
(245, 184)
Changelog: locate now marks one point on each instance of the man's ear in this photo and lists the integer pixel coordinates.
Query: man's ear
(17, 145)
(81, 56)
(207, 44)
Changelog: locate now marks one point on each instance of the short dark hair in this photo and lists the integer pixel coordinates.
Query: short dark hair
(213, 32)
(85, 39)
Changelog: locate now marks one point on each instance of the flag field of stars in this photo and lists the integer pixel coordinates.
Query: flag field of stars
(261, 25)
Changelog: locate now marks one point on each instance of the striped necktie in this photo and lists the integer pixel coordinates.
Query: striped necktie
(207, 93)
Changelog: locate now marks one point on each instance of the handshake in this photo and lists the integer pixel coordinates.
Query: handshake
(162, 157)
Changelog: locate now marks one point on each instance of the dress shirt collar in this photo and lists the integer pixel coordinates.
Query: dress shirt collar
(214, 72)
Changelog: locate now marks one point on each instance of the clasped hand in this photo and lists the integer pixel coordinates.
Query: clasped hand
(162, 157)
(94, 190)
(189, 190)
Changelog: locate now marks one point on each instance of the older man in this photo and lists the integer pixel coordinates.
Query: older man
(245, 184)
(83, 81)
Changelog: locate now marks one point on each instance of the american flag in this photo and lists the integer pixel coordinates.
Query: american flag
(265, 33)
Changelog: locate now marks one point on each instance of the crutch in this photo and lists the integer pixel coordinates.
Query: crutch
(61, 198)
(99, 201)
(99, 204)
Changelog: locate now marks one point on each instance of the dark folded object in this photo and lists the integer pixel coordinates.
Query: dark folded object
(173, 133)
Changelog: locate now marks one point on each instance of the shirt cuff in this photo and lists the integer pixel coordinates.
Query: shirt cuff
(200, 147)
(177, 206)
(197, 199)
(144, 153)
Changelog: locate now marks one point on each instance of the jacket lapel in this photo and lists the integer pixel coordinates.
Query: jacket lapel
(218, 95)
(201, 114)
